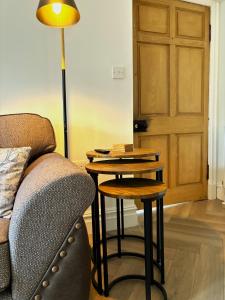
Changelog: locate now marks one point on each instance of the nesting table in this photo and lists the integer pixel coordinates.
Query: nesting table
(120, 164)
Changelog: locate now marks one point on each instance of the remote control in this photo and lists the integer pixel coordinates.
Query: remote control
(102, 151)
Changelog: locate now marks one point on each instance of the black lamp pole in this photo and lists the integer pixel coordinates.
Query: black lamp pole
(64, 95)
(65, 114)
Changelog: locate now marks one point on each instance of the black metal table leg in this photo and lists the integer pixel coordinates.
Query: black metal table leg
(158, 176)
(160, 232)
(104, 245)
(118, 227)
(148, 247)
(118, 223)
(158, 228)
(122, 219)
(122, 214)
(161, 239)
(93, 226)
(93, 232)
(96, 237)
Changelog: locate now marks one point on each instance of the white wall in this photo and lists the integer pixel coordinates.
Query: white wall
(221, 108)
(29, 74)
(100, 109)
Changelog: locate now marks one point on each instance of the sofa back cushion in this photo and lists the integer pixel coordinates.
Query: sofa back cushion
(4, 255)
(12, 164)
(27, 130)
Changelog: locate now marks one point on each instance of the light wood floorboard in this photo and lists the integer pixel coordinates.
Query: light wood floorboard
(194, 253)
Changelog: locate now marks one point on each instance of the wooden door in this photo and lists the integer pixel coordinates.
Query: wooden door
(171, 79)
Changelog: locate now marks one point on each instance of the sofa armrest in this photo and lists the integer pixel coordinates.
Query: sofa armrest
(52, 197)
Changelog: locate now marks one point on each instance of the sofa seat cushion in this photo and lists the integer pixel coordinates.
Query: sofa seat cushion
(4, 255)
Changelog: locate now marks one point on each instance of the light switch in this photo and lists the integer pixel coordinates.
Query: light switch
(118, 72)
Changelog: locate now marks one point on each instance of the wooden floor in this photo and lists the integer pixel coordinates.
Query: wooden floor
(194, 252)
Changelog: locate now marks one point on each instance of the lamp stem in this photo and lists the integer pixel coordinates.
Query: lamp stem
(63, 65)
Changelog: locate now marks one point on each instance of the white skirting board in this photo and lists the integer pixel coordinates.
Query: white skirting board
(212, 191)
(130, 218)
(221, 193)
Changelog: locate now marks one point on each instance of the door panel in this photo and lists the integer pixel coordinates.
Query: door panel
(171, 61)
(189, 24)
(153, 72)
(154, 18)
(190, 79)
(189, 165)
(158, 142)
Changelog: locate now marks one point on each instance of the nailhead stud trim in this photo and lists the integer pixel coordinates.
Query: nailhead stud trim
(71, 239)
(55, 269)
(45, 284)
(62, 254)
(78, 226)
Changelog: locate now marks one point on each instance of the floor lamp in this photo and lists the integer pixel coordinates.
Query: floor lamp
(60, 14)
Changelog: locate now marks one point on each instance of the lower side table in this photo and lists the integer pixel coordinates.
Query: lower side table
(133, 188)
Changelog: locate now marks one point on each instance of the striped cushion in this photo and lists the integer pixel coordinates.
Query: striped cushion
(4, 255)
(12, 164)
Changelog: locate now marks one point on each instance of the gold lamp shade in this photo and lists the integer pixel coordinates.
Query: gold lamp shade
(58, 13)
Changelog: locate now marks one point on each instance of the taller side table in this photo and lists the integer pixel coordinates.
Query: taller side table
(136, 153)
(118, 168)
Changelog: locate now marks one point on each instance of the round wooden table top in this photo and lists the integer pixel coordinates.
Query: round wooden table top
(136, 153)
(124, 166)
(133, 188)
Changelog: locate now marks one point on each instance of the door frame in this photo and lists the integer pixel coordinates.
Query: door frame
(213, 92)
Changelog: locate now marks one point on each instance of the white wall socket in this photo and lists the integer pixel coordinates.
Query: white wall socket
(118, 72)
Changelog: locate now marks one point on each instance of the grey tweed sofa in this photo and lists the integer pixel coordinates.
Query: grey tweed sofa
(44, 249)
